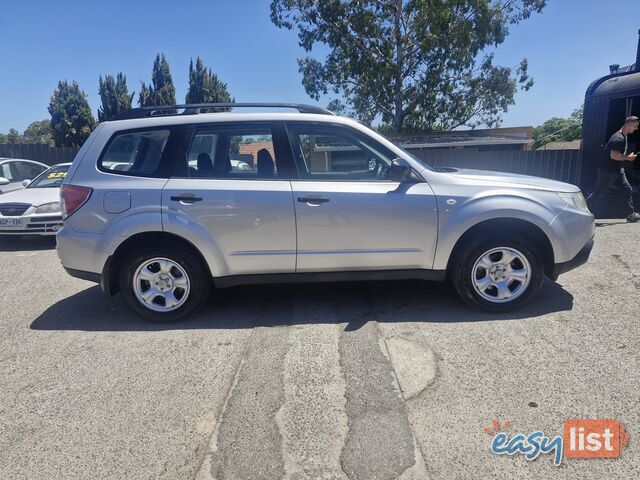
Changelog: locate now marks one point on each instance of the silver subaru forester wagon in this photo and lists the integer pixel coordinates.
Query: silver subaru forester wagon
(162, 205)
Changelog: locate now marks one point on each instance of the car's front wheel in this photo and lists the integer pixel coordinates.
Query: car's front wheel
(164, 283)
(498, 274)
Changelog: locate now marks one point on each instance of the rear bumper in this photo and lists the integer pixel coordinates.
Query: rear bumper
(92, 277)
(580, 259)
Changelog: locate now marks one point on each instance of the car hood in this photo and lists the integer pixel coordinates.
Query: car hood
(503, 178)
(34, 196)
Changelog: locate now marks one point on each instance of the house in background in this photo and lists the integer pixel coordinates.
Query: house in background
(560, 145)
(479, 140)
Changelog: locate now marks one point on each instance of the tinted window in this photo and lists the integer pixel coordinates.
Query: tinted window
(135, 153)
(335, 154)
(242, 153)
(30, 170)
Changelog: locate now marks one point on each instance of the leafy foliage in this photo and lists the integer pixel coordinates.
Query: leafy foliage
(204, 86)
(559, 129)
(161, 90)
(71, 117)
(419, 64)
(39, 132)
(14, 136)
(114, 96)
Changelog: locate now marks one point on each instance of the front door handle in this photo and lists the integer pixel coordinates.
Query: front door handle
(186, 198)
(313, 200)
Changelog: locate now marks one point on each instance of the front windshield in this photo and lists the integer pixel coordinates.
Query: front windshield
(51, 178)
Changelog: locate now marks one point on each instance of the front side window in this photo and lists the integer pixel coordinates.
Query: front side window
(240, 153)
(333, 153)
(8, 171)
(135, 153)
(31, 170)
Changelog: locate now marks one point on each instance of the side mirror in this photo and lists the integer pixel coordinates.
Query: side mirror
(399, 170)
(26, 182)
(4, 181)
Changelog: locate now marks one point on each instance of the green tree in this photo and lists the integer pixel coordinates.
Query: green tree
(204, 86)
(417, 64)
(14, 136)
(559, 129)
(3, 139)
(71, 117)
(161, 90)
(114, 96)
(39, 132)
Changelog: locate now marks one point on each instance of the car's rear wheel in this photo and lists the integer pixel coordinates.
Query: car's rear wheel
(498, 274)
(164, 283)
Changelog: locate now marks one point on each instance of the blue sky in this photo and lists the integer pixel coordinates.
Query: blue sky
(570, 44)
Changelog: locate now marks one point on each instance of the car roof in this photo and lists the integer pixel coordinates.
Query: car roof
(5, 160)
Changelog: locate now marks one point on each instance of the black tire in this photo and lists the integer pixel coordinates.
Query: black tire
(466, 257)
(197, 273)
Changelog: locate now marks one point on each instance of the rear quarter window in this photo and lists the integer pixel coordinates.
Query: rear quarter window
(135, 152)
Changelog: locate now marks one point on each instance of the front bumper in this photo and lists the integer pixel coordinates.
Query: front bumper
(580, 259)
(41, 224)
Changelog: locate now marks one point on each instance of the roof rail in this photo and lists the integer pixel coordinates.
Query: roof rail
(195, 108)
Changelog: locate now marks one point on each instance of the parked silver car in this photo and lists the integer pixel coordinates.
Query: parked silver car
(327, 199)
(14, 172)
(34, 210)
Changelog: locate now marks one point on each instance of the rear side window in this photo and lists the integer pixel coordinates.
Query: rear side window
(243, 152)
(135, 153)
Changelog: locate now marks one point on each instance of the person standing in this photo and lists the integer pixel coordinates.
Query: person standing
(611, 172)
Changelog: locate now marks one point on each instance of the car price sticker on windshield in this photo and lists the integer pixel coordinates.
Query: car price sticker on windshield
(57, 175)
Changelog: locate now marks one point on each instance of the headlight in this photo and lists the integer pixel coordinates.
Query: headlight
(53, 207)
(575, 199)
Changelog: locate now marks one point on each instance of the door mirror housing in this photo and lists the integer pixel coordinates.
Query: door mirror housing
(399, 171)
(4, 181)
(26, 182)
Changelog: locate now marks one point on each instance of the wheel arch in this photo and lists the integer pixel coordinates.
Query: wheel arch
(113, 266)
(528, 230)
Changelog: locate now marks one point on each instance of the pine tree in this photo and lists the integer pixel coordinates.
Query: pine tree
(71, 117)
(114, 96)
(161, 90)
(204, 86)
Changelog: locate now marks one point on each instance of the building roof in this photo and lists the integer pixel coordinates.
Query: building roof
(572, 145)
(464, 138)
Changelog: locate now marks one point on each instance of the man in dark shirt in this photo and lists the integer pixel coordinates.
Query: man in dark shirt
(611, 173)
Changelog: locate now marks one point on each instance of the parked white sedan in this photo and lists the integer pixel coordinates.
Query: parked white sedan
(34, 210)
(13, 172)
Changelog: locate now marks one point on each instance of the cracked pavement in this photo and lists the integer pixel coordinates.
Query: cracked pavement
(380, 380)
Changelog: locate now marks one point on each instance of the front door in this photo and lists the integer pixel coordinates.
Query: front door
(350, 216)
(234, 191)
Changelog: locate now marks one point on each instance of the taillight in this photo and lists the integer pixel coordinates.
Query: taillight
(72, 197)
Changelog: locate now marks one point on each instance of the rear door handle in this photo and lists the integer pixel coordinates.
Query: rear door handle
(314, 200)
(186, 198)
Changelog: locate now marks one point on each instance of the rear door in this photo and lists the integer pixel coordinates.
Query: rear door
(350, 216)
(233, 189)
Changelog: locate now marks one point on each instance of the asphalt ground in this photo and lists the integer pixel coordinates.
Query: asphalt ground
(379, 380)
